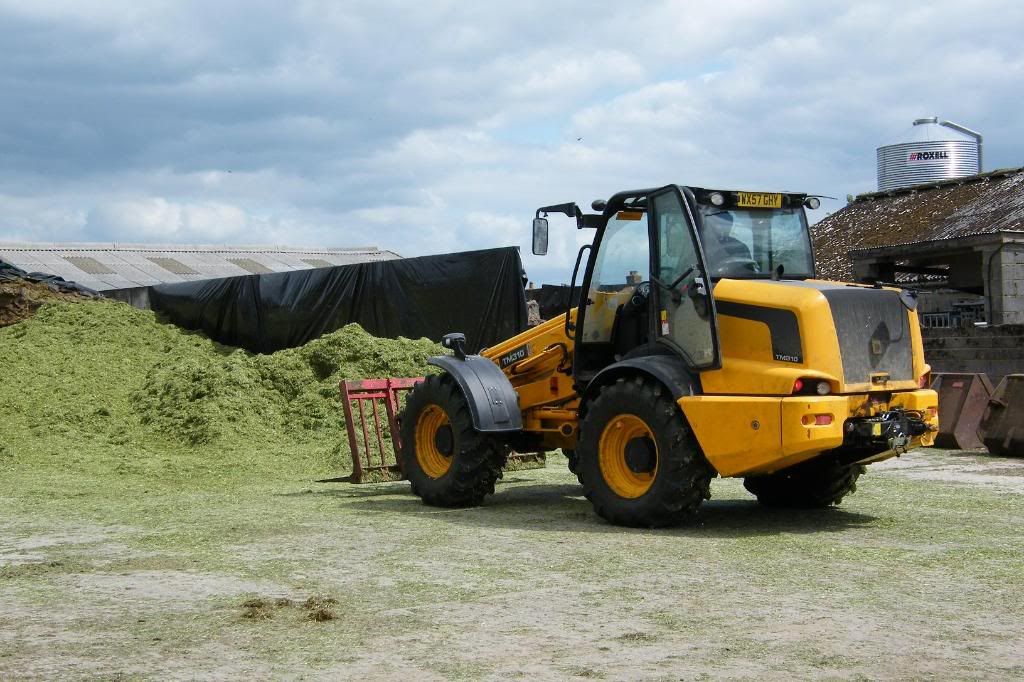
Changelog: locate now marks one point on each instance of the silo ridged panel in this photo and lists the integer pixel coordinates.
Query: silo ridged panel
(915, 163)
(929, 152)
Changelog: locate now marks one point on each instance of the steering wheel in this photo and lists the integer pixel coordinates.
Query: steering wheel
(640, 294)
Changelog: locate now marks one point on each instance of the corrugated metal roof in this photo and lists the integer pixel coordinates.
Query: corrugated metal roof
(106, 266)
(978, 204)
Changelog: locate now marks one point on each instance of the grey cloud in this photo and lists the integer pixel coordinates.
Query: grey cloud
(393, 123)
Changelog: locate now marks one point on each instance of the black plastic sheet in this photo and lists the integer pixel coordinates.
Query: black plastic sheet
(478, 293)
(554, 300)
(10, 273)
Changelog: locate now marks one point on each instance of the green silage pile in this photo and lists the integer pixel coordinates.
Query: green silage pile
(95, 387)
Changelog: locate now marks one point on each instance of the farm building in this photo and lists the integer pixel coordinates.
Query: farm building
(125, 271)
(962, 237)
(960, 244)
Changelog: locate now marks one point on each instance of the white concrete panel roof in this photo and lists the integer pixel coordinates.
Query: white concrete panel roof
(130, 266)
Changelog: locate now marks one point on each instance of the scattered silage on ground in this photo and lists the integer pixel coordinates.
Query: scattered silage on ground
(100, 385)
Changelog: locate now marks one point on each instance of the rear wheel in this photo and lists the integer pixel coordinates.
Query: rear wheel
(447, 461)
(637, 458)
(573, 459)
(815, 484)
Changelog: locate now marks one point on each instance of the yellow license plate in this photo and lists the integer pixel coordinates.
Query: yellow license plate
(758, 200)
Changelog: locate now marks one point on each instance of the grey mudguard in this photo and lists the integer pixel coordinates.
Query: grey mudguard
(668, 369)
(493, 403)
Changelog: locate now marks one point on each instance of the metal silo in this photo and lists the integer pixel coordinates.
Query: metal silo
(930, 151)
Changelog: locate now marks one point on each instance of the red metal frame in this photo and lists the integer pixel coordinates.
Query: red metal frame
(375, 455)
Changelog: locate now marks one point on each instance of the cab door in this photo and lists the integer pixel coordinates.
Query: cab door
(684, 306)
(614, 286)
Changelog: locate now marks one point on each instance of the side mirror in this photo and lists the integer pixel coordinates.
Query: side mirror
(540, 236)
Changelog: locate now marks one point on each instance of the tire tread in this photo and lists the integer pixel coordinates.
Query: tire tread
(684, 477)
(816, 484)
(478, 459)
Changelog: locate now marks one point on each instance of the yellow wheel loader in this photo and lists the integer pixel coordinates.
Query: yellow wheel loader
(702, 346)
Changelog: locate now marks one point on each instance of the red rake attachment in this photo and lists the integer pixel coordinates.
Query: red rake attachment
(377, 460)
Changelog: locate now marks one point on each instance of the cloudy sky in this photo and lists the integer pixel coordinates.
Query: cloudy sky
(426, 127)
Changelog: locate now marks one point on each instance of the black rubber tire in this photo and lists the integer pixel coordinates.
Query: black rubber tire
(682, 480)
(573, 459)
(477, 458)
(815, 484)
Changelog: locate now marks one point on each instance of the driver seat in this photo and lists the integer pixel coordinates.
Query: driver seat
(629, 330)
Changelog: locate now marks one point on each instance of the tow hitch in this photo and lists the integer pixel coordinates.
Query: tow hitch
(891, 430)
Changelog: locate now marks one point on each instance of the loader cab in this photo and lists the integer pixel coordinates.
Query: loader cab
(645, 290)
(657, 253)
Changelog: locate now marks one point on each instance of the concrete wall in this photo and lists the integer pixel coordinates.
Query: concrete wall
(137, 296)
(1004, 275)
(996, 351)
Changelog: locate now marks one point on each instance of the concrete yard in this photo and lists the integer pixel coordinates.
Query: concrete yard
(918, 575)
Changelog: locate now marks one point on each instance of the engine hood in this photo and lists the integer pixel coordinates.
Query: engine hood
(859, 338)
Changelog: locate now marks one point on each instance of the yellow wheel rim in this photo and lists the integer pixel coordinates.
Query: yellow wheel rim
(434, 463)
(620, 477)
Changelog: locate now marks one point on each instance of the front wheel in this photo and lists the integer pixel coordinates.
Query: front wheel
(815, 484)
(638, 461)
(447, 461)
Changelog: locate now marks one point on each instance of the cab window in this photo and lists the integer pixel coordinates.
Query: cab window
(752, 243)
(622, 263)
